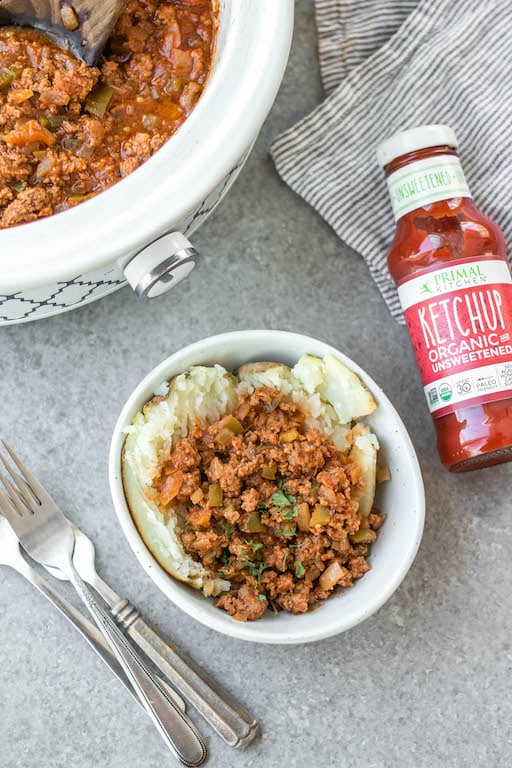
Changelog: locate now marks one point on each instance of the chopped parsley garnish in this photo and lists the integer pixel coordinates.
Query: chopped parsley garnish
(289, 513)
(228, 529)
(280, 499)
(286, 531)
(254, 568)
(273, 607)
(299, 569)
(226, 561)
(283, 498)
(285, 558)
(281, 486)
(255, 545)
(261, 598)
(261, 568)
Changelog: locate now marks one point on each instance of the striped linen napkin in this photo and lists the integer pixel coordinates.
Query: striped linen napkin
(392, 64)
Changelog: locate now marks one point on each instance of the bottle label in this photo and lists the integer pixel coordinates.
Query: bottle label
(426, 181)
(460, 323)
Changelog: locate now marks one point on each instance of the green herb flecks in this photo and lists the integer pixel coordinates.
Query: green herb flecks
(280, 499)
(226, 561)
(256, 569)
(252, 560)
(273, 607)
(283, 498)
(299, 569)
(291, 531)
(228, 529)
(262, 598)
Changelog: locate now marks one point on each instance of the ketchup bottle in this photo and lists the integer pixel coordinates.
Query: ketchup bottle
(448, 261)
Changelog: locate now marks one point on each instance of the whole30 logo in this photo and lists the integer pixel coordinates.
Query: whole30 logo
(459, 320)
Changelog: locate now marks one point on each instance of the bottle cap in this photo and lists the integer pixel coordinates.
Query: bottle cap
(415, 138)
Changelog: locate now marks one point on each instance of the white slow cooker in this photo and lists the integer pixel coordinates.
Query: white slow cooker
(137, 230)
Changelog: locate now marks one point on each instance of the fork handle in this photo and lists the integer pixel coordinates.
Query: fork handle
(93, 636)
(231, 721)
(179, 733)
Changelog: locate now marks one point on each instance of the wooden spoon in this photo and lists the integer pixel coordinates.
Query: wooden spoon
(82, 26)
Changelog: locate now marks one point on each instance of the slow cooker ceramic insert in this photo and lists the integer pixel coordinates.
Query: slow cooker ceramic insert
(137, 231)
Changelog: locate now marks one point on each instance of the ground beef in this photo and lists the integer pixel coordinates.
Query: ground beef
(68, 131)
(269, 506)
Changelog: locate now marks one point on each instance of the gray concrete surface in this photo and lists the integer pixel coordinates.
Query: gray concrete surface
(425, 683)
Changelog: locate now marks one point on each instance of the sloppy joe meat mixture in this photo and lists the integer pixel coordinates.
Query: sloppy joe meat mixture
(269, 507)
(68, 131)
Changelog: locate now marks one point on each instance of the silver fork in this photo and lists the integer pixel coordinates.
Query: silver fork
(47, 536)
(228, 718)
(11, 555)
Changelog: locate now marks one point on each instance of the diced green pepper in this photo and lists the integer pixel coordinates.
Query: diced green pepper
(98, 100)
(223, 437)
(315, 488)
(233, 425)
(55, 121)
(73, 199)
(228, 428)
(269, 472)
(215, 495)
(363, 536)
(71, 143)
(18, 186)
(253, 523)
(175, 85)
(8, 75)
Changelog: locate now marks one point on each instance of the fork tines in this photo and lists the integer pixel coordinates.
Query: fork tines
(19, 496)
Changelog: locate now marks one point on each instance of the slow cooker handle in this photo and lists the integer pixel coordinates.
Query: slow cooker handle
(161, 265)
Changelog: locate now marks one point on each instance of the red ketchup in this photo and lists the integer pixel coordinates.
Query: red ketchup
(448, 262)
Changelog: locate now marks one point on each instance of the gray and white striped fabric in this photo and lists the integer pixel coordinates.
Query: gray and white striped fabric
(392, 64)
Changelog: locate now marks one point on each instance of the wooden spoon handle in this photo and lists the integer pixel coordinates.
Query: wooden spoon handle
(83, 26)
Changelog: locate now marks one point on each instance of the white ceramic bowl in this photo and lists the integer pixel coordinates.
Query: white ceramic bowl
(74, 257)
(402, 498)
